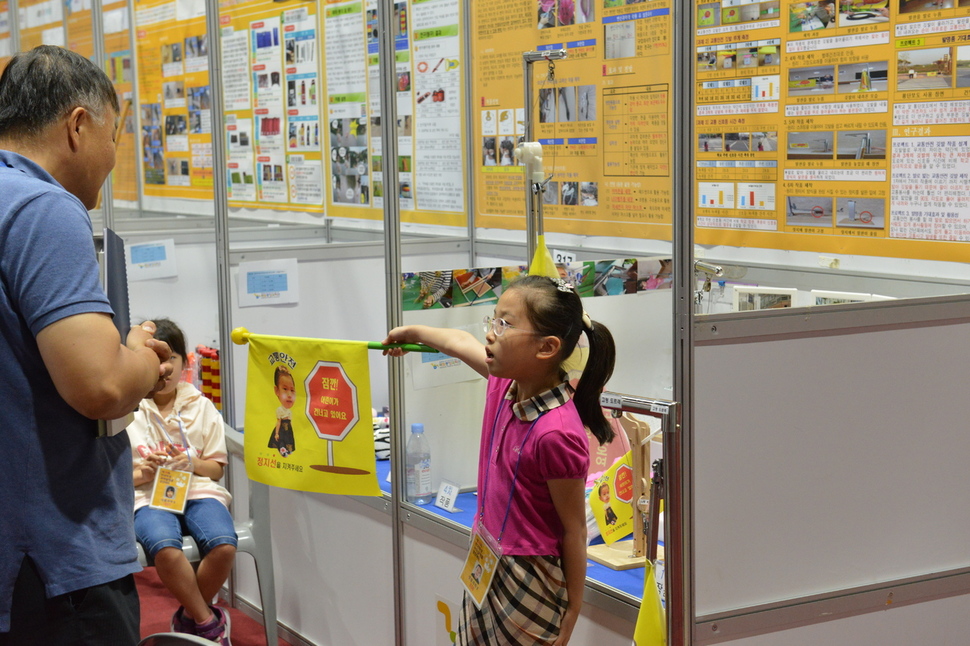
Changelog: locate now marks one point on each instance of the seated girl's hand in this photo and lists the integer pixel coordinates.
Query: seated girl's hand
(178, 460)
(182, 463)
(142, 473)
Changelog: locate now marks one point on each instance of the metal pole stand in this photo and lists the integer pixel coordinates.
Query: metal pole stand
(534, 182)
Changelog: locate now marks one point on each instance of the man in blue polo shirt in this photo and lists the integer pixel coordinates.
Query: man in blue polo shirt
(67, 546)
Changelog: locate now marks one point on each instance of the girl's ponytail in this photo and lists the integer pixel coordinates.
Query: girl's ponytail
(599, 369)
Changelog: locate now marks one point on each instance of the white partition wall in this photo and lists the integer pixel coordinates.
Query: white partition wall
(829, 461)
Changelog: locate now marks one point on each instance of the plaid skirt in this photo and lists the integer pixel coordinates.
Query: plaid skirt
(524, 605)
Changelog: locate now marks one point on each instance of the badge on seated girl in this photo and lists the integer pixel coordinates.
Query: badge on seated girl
(171, 490)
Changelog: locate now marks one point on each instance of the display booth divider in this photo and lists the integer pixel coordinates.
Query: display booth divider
(819, 477)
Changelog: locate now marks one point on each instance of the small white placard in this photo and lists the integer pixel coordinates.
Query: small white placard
(563, 257)
(447, 494)
(150, 260)
(268, 282)
(610, 400)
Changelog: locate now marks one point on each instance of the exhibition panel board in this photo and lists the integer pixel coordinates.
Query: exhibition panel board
(173, 99)
(838, 128)
(820, 476)
(120, 66)
(602, 115)
(6, 42)
(41, 22)
(332, 566)
(302, 112)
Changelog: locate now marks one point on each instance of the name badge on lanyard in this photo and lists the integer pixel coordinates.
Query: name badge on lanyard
(479, 569)
(171, 490)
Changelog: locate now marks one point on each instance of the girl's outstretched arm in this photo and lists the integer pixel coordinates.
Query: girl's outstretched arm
(568, 496)
(455, 343)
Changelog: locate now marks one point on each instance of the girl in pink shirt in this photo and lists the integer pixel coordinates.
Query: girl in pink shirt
(534, 457)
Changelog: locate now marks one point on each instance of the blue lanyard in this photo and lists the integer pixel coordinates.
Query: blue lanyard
(515, 474)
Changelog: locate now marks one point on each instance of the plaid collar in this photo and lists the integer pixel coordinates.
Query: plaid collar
(530, 409)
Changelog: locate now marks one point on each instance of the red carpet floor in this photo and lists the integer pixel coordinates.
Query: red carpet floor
(158, 605)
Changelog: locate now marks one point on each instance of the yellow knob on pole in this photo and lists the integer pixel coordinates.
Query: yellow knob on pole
(240, 336)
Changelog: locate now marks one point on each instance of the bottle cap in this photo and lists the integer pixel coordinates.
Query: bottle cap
(417, 428)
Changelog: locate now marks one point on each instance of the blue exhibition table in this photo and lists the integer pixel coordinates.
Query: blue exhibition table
(627, 581)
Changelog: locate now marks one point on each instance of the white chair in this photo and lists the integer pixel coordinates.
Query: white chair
(254, 538)
(172, 639)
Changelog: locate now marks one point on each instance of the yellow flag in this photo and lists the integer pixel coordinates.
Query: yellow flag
(542, 262)
(308, 420)
(651, 627)
(611, 500)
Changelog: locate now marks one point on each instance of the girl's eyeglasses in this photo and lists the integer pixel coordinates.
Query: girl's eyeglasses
(499, 326)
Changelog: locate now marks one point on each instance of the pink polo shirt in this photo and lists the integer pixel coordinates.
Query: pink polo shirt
(548, 444)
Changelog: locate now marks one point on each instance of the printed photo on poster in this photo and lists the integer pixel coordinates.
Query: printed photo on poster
(748, 298)
(427, 290)
(809, 211)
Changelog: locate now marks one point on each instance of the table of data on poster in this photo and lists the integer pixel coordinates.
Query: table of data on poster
(635, 131)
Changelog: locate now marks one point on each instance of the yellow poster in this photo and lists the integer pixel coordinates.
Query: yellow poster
(41, 23)
(602, 115)
(6, 42)
(611, 500)
(834, 126)
(308, 423)
(430, 77)
(272, 92)
(119, 66)
(173, 99)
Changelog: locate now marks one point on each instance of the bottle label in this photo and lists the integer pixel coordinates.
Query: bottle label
(422, 477)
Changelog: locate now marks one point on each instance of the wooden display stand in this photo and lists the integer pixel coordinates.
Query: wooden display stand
(631, 553)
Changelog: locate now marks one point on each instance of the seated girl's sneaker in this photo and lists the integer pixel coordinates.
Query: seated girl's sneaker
(181, 623)
(216, 629)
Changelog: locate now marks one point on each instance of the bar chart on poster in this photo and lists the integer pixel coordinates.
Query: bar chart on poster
(836, 127)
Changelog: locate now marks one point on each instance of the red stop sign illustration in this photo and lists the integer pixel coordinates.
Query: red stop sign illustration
(331, 402)
(623, 484)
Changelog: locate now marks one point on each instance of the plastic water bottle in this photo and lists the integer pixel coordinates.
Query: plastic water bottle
(418, 467)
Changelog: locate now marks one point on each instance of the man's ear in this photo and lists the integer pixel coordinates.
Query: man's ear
(549, 347)
(77, 119)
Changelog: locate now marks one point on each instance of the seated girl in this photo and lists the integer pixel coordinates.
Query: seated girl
(179, 428)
